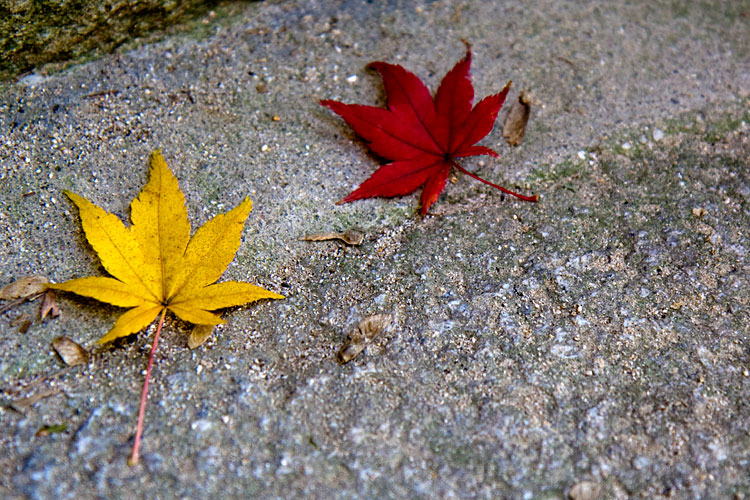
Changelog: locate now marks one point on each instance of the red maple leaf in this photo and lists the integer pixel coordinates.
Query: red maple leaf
(422, 136)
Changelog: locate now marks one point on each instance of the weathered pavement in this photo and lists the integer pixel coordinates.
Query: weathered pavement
(597, 336)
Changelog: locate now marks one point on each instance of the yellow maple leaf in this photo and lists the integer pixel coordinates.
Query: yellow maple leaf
(156, 265)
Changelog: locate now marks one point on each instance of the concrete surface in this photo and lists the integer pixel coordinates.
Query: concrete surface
(592, 345)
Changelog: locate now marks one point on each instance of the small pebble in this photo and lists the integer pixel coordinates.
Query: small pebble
(585, 490)
(640, 462)
(351, 79)
(201, 426)
(658, 134)
(582, 154)
(626, 145)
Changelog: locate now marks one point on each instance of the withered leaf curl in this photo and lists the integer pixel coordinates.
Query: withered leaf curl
(514, 126)
(367, 331)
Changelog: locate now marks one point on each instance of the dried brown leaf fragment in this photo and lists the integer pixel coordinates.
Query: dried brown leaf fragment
(199, 334)
(352, 237)
(22, 321)
(514, 126)
(367, 331)
(70, 352)
(21, 405)
(49, 305)
(24, 287)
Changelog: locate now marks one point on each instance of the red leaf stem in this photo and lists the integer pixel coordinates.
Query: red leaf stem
(507, 191)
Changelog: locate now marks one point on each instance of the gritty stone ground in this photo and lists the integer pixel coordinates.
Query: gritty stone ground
(592, 345)
(39, 32)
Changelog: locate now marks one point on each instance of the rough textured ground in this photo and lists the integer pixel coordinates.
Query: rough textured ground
(33, 33)
(598, 336)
